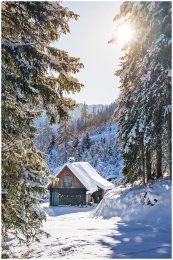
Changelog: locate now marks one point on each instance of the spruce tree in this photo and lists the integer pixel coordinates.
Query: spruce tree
(143, 111)
(35, 77)
(86, 142)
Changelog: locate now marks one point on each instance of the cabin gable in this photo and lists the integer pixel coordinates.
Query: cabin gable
(68, 180)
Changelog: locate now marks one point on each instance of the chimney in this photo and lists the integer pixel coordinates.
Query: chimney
(71, 159)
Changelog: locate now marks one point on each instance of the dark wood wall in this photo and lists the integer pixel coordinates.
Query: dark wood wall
(65, 196)
(98, 195)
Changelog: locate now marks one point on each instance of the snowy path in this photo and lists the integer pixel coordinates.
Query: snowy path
(74, 234)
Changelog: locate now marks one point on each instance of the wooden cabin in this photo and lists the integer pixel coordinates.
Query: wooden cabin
(78, 184)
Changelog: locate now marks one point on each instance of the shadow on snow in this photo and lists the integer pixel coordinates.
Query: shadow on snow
(138, 240)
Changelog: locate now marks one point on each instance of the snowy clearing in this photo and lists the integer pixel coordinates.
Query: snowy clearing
(106, 231)
(74, 234)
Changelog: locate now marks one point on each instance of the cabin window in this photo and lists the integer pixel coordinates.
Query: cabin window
(67, 181)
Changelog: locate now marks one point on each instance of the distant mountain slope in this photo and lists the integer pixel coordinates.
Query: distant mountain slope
(100, 149)
(103, 153)
(93, 141)
(74, 114)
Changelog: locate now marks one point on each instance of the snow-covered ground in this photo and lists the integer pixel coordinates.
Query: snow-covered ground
(74, 234)
(123, 225)
(145, 214)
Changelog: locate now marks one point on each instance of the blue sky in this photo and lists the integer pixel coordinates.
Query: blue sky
(89, 40)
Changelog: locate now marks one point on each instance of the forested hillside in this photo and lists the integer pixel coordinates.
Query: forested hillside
(89, 137)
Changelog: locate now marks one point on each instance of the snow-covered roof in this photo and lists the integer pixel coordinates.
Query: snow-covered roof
(88, 176)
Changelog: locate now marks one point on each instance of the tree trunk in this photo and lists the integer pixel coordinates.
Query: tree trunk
(148, 165)
(143, 164)
(170, 144)
(65, 140)
(159, 161)
(159, 144)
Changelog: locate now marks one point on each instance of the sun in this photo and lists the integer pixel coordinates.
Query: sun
(125, 33)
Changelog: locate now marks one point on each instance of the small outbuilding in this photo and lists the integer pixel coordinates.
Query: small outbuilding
(78, 184)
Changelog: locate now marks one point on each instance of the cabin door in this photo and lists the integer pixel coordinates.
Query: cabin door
(55, 198)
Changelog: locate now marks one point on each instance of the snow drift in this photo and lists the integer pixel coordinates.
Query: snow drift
(151, 203)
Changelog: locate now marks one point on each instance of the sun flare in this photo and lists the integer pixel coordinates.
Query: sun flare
(125, 33)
